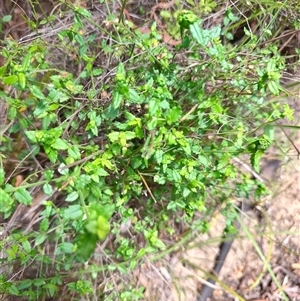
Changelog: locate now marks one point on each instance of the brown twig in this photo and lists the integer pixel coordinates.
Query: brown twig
(147, 187)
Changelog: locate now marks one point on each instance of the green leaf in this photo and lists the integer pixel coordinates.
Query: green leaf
(215, 32)
(46, 121)
(135, 97)
(114, 136)
(12, 113)
(6, 18)
(65, 247)
(79, 39)
(97, 209)
(186, 18)
(86, 244)
(22, 80)
(224, 161)
(96, 191)
(26, 61)
(288, 112)
(2, 73)
(174, 115)
(13, 290)
(2, 176)
(47, 188)
(269, 131)
(102, 172)
(10, 80)
(185, 42)
(40, 239)
(185, 192)
(41, 109)
(91, 225)
(103, 227)
(83, 12)
(176, 176)
(153, 106)
(130, 135)
(255, 159)
(117, 100)
(132, 265)
(165, 14)
(203, 160)
(164, 104)
(31, 136)
(74, 152)
(159, 156)
(122, 139)
(26, 246)
(38, 282)
(49, 174)
(60, 144)
(62, 171)
(23, 196)
(51, 288)
(70, 85)
(57, 96)
(197, 33)
(159, 244)
(9, 188)
(72, 212)
(121, 75)
(97, 71)
(36, 91)
(44, 225)
(52, 154)
(25, 284)
(141, 253)
(73, 196)
(273, 87)
(111, 112)
(122, 268)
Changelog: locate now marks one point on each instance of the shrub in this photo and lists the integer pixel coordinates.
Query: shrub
(122, 154)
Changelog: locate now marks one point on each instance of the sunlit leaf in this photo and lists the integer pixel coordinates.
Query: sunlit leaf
(114, 136)
(36, 91)
(47, 188)
(22, 80)
(60, 144)
(73, 196)
(10, 80)
(103, 227)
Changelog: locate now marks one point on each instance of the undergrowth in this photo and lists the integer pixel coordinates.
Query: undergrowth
(118, 151)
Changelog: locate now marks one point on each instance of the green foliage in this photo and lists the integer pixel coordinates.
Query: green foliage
(159, 149)
(4, 19)
(186, 18)
(96, 227)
